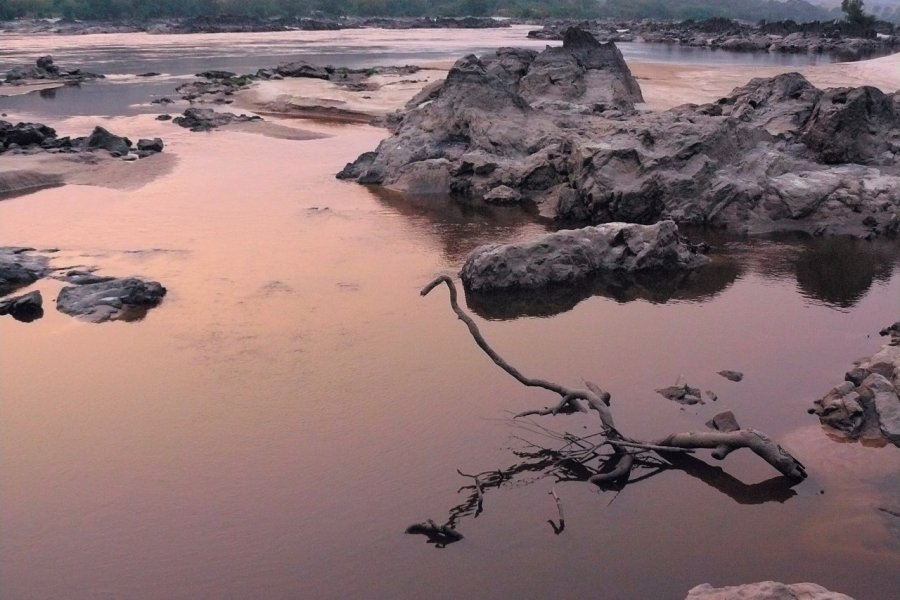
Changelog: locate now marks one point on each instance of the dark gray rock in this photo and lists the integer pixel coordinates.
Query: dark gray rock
(26, 308)
(20, 267)
(683, 394)
(569, 256)
(116, 299)
(154, 145)
(100, 138)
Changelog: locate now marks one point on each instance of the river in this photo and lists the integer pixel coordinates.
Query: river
(273, 427)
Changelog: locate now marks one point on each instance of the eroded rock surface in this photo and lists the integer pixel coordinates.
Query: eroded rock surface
(110, 299)
(765, 590)
(571, 256)
(867, 404)
(560, 129)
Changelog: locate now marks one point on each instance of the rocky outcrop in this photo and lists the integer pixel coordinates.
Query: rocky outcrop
(206, 119)
(765, 590)
(45, 69)
(109, 299)
(20, 267)
(37, 137)
(866, 405)
(559, 128)
(570, 256)
(26, 308)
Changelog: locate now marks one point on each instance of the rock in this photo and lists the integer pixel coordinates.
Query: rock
(116, 299)
(24, 134)
(103, 139)
(853, 125)
(503, 194)
(867, 404)
(164, 117)
(20, 267)
(568, 256)
(149, 74)
(25, 308)
(724, 421)
(302, 69)
(683, 394)
(154, 145)
(765, 590)
(732, 375)
(205, 119)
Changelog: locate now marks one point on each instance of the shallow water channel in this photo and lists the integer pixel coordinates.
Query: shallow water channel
(272, 428)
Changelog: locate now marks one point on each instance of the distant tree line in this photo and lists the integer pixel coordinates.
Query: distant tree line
(747, 10)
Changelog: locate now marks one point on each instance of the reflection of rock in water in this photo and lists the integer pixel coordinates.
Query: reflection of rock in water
(460, 226)
(839, 271)
(655, 287)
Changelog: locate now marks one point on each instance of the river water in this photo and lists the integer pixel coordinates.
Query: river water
(272, 428)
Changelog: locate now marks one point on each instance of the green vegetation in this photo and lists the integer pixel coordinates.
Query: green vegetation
(854, 13)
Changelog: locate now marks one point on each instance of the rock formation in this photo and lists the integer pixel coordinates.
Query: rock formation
(45, 69)
(560, 129)
(867, 404)
(20, 267)
(37, 137)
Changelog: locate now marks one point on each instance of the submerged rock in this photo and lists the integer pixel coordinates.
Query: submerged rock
(765, 590)
(732, 375)
(559, 127)
(867, 404)
(114, 299)
(570, 256)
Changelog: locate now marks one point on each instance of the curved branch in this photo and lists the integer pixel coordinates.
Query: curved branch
(599, 402)
(724, 442)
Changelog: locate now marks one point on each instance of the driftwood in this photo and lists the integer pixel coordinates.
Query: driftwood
(608, 458)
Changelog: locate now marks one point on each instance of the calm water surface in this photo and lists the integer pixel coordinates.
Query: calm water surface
(273, 427)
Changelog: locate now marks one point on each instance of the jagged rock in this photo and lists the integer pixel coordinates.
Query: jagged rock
(853, 125)
(765, 590)
(569, 256)
(45, 68)
(103, 139)
(205, 119)
(503, 194)
(26, 308)
(20, 267)
(115, 299)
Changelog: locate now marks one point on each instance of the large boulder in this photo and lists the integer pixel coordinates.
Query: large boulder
(569, 256)
(24, 134)
(110, 299)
